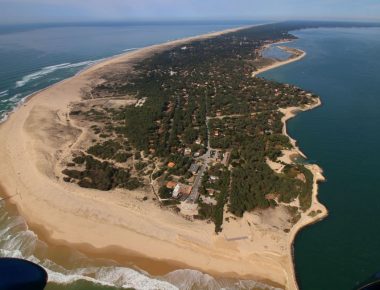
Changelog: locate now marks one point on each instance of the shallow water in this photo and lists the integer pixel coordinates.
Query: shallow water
(343, 137)
(275, 52)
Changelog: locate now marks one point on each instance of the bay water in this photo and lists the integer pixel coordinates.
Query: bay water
(342, 66)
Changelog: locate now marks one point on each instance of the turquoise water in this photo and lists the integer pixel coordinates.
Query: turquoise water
(343, 137)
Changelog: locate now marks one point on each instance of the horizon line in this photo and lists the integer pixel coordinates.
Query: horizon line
(186, 21)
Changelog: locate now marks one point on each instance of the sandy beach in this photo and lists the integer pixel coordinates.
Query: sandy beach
(120, 224)
(301, 54)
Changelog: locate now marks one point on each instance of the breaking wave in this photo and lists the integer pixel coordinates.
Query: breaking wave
(17, 241)
(14, 99)
(187, 279)
(50, 69)
(110, 276)
(131, 49)
(3, 93)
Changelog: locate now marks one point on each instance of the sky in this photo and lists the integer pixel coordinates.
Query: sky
(42, 11)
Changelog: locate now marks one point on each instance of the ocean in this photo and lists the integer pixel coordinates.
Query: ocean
(32, 59)
(343, 137)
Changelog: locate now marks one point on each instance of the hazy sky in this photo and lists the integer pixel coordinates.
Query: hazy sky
(25, 11)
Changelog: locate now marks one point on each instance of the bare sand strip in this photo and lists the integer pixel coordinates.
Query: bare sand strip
(119, 224)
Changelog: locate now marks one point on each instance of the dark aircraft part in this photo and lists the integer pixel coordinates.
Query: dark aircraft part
(18, 274)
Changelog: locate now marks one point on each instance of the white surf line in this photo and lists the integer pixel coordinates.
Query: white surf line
(48, 70)
(131, 49)
(4, 93)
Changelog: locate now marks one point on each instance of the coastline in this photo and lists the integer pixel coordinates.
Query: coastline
(277, 63)
(182, 239)
(289, 113)
(108, 60)
(306, 219)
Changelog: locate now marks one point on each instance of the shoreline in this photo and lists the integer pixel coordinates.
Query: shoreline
(289, 113)
(278, 63)
(181, 239)
(125, 53)
(305, 220)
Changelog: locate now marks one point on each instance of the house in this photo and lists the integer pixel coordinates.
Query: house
(185, 189)
(210, 191)
(181, 190)
(171, 164)
(226, 158)
(176, 191)
(194, 168)
(171, 184)
(187, 151)
(214, 178)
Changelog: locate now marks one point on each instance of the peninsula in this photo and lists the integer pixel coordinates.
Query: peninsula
(171, 156)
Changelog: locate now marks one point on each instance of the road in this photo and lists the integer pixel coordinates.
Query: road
(194, 195)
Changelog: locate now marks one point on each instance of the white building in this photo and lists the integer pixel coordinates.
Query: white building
(176, 191)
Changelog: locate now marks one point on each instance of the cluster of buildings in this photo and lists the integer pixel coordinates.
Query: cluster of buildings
(179, 190)
(220, 156)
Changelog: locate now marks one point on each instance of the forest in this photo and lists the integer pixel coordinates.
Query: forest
(197, 95)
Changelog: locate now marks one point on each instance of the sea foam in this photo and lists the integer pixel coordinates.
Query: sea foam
(17, 241)
(3, 93)
(186, 279)
(48, 70)
(131, 49)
